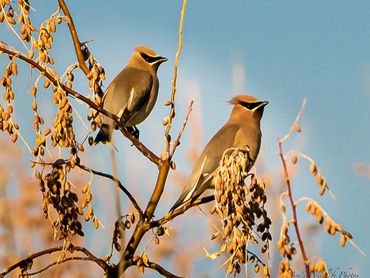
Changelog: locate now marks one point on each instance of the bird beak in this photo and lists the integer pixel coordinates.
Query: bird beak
(263, 104)
(161, 59)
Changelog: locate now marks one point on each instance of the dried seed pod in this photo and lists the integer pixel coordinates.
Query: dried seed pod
(96, 223)
(165, 121)
(168, 102)
(339, 228)
(31, 53)
(34, 105)
(80, 147)
(322, 190)
(11, 20)
(89, 197)
(313, 169)
(47, 83)
(297, 128)
(14, 137)
(343, 241)
(294, 159)
(14, 69)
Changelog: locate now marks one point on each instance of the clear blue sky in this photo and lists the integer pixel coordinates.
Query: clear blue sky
(284, 52)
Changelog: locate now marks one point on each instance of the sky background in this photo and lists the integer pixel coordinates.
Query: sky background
(280, 51)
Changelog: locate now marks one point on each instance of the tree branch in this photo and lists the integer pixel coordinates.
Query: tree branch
(141, 147)
(162, 270)
(181, 210)
(294, 210)
(173, 93)
(176, 143)
(143, 225)
(23, 263)
(75, 39)
(56, 263)
(119, 184)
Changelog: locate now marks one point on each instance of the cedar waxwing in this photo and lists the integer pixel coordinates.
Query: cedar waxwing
(241, 130)
(132, 93)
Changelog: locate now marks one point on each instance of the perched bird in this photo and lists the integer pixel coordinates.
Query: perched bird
(132, 93)
(241, 130)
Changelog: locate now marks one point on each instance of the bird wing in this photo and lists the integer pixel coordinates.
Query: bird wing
(128, 92)
(207, 163)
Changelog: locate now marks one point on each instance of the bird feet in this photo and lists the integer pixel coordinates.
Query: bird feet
(134, 131)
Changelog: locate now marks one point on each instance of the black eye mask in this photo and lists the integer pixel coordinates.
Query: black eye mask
(250, 105)
(148, 58)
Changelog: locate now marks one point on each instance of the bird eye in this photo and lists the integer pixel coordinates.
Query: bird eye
(148, 58)
(247, 105)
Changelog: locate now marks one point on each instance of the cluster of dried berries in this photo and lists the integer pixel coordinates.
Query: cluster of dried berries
(285, 271)
(7, 12)
(57, 193)
(141, 262)
(6, 122)
(63, 133)
(315, 171)
(241, 209)
(330, 226)
(123, 223)
(285, 246)
(27, 28)
(96, 76)
(319, 267)
(45, 40)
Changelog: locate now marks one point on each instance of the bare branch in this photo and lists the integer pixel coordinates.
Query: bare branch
(56, 263)
(299, 115)
(162, 270)
(119, 184)
(176, 143)
(76, 41)
(181, 210)
(290, 193)
(22, 263)
(174, 80)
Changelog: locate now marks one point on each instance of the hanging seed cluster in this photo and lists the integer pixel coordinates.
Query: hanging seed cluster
(57, 194)
(96, 77)
(285, 271)
(7, 124)
(9, 16)
(241, 210)
(331, 227)
(284, 245)
(315, 172)
(44, 42)
(125, 222)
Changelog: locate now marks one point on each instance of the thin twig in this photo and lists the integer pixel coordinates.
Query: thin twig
(294, 210)
(56, 263)
(176, 143)
(310, 200)
(118, 183)
(174, 80)
(299, 115)
(162, 270)
(33, 256)
(76, 41)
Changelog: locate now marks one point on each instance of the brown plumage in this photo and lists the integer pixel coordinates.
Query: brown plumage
(242, 129)
(132, 93)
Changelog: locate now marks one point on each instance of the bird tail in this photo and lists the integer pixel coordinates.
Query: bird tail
(184, 197)
(103, 135)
